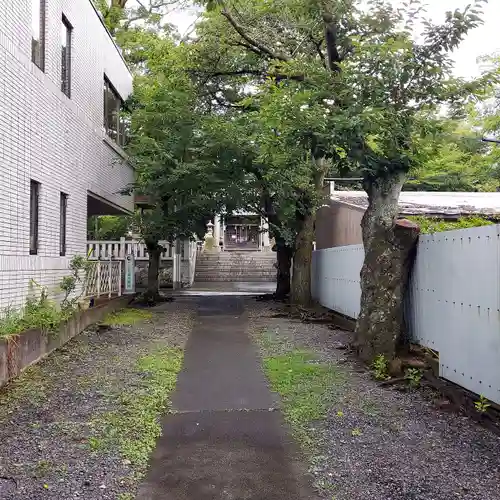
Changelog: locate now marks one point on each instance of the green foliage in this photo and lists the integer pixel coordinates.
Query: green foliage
(107, 227)
(413, 377)
(482, 405)
(40, 312)
(436, 225)
(126, 317)
(11, 323)
(453, 157)
(134, 429)
(305, 386)
(126, 496)
(380, 367)
(79, 267)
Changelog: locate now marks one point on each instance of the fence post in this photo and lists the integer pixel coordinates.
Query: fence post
(110, 262)
(119, 278)
(121, 253)
(98, 278)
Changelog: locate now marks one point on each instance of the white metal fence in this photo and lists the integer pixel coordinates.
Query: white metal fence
(104, 278)
(453, 300)
(335, 278)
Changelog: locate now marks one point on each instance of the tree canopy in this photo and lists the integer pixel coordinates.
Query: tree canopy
(266, 99)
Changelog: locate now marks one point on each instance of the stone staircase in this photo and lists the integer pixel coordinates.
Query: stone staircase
(235, 266)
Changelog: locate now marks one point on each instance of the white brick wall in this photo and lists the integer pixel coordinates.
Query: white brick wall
(54, 140)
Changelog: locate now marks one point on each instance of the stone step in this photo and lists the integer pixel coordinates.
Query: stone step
(228, 256)
(234, 266)
(238, 271)
(236, 277)
(234, 263)
(237, 268)
(252, 279)
(255, 270)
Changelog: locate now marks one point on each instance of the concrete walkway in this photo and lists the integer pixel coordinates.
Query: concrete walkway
(227, 441)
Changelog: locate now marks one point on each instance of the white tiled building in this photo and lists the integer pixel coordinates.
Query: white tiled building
(62, 80)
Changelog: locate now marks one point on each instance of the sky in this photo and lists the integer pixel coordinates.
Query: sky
(481, 41)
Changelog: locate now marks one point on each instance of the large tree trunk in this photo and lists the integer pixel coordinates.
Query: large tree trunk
(301, 277)
(389, 252)
(302, 259)
(152, 293)
(284, 255)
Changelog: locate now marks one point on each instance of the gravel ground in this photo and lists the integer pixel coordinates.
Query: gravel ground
(46, 416)
(404, 445)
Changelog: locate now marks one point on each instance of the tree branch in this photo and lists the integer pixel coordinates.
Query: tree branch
(261, 48)
(317, 46)
(333, 58)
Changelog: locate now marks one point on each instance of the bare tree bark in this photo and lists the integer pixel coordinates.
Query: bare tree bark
(302, 259)
(389, 252)
(152, 293)
(284, 255)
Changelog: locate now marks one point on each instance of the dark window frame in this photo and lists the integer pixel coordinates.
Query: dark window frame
(66, 57)
(34, 215)
(114, 123)
(38, 46)
(63, 222)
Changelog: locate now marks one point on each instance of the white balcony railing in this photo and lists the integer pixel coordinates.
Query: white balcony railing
(103, 250)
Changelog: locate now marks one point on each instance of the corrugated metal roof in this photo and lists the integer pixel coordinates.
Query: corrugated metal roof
(431, 203)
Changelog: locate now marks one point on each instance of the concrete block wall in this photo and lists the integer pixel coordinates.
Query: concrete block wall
(57, 141)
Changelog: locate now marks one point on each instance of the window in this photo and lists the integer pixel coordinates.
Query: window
(115, 122)
(38, 33)
(62, 223)
(66, 30)
(34, 209)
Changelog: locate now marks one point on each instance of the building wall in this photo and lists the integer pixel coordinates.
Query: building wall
(58, 141)
(338, 225)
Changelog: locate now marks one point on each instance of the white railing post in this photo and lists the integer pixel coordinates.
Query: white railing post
(98, 278)
(110, 262)
(121, 253)
(119, 278)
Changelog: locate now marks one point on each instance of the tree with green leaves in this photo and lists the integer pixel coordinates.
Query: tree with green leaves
(124, 15)
(184, 184)
(282, 93)
(280, 62)
(454, 158)
(366, 86)
(398, 79)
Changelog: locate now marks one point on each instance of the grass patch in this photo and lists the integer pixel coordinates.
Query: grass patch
(306, 387)
(126, 317)
(134, 428)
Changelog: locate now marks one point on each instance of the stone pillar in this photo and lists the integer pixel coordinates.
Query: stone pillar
(176, 265)
(223, 232)
(217, 231)
(265, 236)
